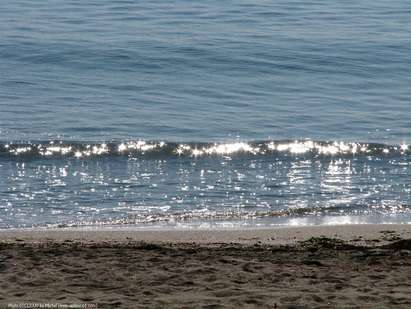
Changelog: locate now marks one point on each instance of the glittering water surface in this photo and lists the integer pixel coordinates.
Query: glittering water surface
(138, 182)
(136, 111)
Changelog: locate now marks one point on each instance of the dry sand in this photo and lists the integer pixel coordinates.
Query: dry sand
(260, 268)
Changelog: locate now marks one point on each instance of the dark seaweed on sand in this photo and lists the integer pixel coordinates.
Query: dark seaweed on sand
(318, 243)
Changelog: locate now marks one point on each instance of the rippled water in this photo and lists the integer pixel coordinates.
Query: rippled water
(135, 111)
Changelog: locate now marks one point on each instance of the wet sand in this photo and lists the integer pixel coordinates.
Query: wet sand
(360, 266)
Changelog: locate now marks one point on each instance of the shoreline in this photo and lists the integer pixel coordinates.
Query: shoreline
(362, 234)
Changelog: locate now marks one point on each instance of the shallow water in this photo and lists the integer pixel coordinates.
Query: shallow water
(95, 75)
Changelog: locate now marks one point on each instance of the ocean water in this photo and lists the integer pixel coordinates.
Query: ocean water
(204, 113)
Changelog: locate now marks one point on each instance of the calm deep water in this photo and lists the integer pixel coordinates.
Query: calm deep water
(204, 112)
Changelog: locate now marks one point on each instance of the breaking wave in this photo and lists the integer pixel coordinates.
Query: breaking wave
(83, 150)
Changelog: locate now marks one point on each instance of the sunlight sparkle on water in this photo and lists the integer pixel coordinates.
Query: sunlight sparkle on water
(141, 147)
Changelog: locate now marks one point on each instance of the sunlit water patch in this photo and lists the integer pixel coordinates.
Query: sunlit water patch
(143, 182)
(153, 148)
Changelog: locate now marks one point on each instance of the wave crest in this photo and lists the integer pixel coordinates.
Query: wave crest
(160, 148)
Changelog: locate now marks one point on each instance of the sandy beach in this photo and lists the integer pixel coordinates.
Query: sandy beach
(349, 266)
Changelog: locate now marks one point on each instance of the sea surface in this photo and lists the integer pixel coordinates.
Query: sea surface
(204, 113)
